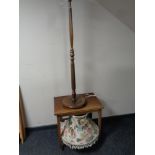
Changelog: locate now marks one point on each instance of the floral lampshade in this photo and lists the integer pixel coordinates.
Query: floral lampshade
(79, 132)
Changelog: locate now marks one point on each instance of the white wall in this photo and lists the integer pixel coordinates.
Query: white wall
(124, 10)
(104, 53)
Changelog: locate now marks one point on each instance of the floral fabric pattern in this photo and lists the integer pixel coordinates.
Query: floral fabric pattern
(79, 132)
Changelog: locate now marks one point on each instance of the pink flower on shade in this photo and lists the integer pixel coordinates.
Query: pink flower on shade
(66, 132)
(89, 130)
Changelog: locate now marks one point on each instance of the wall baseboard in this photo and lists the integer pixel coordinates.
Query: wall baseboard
(54, 126)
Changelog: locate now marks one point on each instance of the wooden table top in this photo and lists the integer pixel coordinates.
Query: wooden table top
(92, 104)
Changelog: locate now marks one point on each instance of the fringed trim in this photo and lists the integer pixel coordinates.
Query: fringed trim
(81, 146)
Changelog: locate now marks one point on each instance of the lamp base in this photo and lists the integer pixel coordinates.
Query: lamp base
(78, 103)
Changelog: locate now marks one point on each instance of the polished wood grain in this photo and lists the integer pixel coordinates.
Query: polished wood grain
(22, 132)
(92, 104)
(100, 120)
(73, 101)
(73, 80)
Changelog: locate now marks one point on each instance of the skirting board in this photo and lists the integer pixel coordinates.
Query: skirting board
(54, 126)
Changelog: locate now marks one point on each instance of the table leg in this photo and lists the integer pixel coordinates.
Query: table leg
(59, 131)
(100, 120)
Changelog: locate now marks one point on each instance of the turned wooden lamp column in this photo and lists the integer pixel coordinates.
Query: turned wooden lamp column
(73, 101)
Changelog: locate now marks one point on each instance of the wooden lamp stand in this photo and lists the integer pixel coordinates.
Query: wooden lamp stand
(73, 101)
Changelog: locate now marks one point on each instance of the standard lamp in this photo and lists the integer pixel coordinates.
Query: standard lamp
(73, 101)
